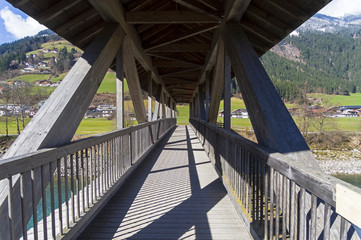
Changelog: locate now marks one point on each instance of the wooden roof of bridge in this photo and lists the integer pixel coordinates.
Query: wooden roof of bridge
(174, 39)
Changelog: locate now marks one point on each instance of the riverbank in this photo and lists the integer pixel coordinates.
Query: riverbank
(346, 162)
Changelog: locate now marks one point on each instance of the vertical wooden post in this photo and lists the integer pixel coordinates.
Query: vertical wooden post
(120, 89)
(202, 110)
(131, 73)
(149, 96)
(227, 93)
(271, 121)
(162, 108)
(207, 95)
(217, 84)
(60, 116)
(157, 103)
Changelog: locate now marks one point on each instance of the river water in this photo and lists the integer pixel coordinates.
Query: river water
(353, 179)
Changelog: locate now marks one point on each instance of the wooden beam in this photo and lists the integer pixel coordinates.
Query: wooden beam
(227, 93)
(217, 84)
(56, 10)
(182, 72)
(168, 17)
(185, 35)
(234, 9)
(168, 63)
(157, 102)
(113, 11)
(77, 21)
(201, 94)
(149, 96)
(198, 7)
(171, 80)
(182, 47)
(271, 121)
(207, 94)
(120, 89)
(172, 58)
(131, 74)
(60, 116)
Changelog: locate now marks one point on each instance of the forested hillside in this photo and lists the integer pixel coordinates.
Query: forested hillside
(13, 55)
(328, 62)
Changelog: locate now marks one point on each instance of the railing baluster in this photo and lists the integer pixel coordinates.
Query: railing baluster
(52, 200)
(34, 203)
(313, 216)
(327, 218)
(66, 191)
(11, 209)
(24, 177)
(302, 218)
(58, 161)
(278, 197)
(266, 205)
(43, 196)
(98, 173)
(92, 175)
(343, 229)
(284, 207)
(271, 202)
(82, 179)
(77, 184)
(72, 187)
(292, 210)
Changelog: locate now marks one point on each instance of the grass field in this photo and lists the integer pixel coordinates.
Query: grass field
(109, 84)
(340, 100)
(31, 78)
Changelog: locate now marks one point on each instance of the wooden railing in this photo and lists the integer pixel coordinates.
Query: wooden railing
(84, 175)
(277, 197)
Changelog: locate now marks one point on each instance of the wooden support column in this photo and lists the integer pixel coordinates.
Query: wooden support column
(131, 74)
(227, 93)
(59, 118)
(207, 95)
(149, 96)
(157, 103)
(120, 89)
(198, 105)
(162, 108)
(217, 84)
(202, 109)
(271, 121)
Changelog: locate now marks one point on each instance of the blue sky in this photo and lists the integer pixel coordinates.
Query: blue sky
(14, 24)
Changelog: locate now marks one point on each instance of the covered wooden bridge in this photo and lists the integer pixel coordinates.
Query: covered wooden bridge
(156, 180)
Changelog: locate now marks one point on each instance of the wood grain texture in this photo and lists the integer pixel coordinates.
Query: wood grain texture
(176, 194)
(271, 121)
(57, 121)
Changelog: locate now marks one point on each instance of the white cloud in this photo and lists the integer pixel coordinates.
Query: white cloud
(340, 8)
(18, 26)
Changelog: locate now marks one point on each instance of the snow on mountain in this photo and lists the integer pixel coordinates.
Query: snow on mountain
(324, 23)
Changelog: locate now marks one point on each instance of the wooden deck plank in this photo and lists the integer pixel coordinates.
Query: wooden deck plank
(176, 194)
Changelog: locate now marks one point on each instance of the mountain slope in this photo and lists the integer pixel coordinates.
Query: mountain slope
(317, 60)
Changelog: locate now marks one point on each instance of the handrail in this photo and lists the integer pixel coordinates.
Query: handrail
(83, 176)
(300, 194)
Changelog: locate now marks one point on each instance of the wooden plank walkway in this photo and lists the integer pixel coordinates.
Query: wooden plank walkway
(175, 194)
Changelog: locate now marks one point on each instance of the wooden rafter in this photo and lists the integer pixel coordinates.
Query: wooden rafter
(56, 10)
(167, 63)
(184, 35)
(182, 47)
(78, 20)
(113, 11)
(198, 7)
(173, 58)
(167, 17)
